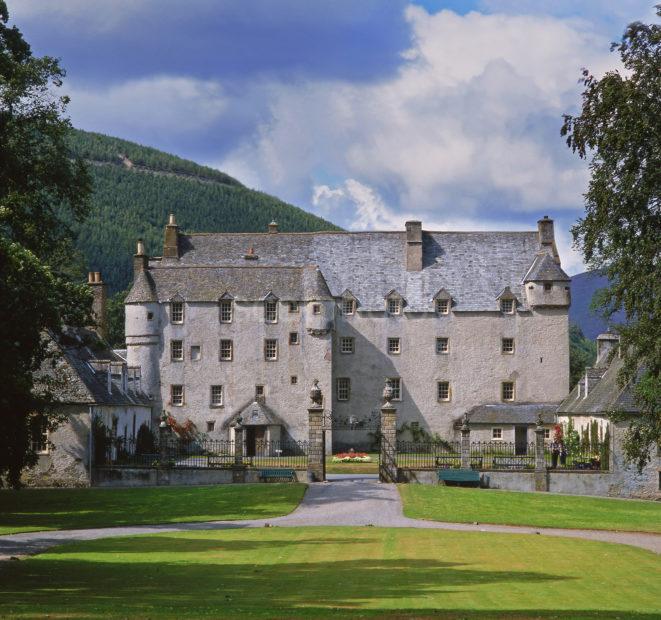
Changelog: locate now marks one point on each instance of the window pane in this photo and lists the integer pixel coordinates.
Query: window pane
(271, 349)
(343, 388)
(442, 306)
(177, 350)
(347, 306)
(508, 390)
(508, 345)
(226, 349)
(226, 310)
(442, 345)
(195, 352)
(177, 312)
(507, 305)
(346, 345)
(177, 395)
(216, 394)
(393, 346)
(293, 337)
(271, 311)
(293, 307)
(443, 390)
(396, 385)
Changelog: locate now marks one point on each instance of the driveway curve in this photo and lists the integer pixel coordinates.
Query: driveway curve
(344, 502)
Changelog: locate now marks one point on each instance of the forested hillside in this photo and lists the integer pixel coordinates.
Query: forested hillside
(135, 188)
(583, 287)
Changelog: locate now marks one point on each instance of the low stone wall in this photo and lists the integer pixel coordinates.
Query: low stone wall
(598, 483)
(151, 477)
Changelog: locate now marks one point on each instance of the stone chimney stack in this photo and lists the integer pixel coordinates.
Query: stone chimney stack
(140, 259)
(605, 344)
(413, 246)
(100, 295)
(171, 245)
(546, 234)
(273, 227)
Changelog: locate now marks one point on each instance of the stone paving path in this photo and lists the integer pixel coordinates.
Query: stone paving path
(349, 501)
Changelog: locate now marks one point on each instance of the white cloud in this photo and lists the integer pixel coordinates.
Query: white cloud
(470, 123)
(145, 108)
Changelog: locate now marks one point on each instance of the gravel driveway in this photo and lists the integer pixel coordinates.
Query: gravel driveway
(346, 501)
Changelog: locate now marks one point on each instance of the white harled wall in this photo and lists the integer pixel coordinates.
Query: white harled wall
(474, 366)
(308, 360)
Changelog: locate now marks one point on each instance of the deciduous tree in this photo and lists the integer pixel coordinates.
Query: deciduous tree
(39, 184)
(619, 132)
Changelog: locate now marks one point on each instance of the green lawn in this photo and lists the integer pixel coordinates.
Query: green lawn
(31, 510)
(334, 572)
(465, 505)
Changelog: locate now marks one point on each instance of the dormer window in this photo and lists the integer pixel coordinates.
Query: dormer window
(507, 306)
(271, 311)
(225, 310)
(316, 309)
(348, 306)
(394, 305)
(177, 312)
(548, 286)
(443, 306)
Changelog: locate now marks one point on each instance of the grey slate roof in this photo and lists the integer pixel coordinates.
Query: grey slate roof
(545, 268)
(473, 267)
(604, 395)
(519, 413)
(143, 289)
(242, 282)
(75, 379)
(256, 413)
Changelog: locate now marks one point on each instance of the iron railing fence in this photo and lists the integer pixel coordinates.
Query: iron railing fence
(503, 454)
(202, 453)
(429, 454)
(578, 457)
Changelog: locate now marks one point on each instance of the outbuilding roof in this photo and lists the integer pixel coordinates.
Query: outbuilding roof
(603, 395)
(74, 376)
(512, 413)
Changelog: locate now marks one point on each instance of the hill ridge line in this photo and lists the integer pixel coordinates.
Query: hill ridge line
(141, 168)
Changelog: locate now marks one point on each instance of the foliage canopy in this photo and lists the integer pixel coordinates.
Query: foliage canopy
(619, 132)
(39, 180)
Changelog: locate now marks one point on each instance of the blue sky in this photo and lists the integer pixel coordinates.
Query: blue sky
(367, 112)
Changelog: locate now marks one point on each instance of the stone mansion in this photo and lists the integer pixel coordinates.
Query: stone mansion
(240, 324)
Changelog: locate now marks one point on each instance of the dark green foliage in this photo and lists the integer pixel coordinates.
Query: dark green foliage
(145, 442)
(101, 441)
(619, 131)
(134, 203)
(582, 353)
(39, 180)
(115, 319)
(101, 148)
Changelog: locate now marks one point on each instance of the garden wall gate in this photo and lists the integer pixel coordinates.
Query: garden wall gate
(370, 425)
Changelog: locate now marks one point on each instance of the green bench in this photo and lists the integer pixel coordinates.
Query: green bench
(459, 476)
(277, 475)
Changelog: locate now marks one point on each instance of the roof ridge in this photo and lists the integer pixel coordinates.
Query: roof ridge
(359, 232)
(194, 266)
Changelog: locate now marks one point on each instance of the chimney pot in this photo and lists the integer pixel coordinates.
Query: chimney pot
(90, 277)
(273, 227)
(171, 220)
